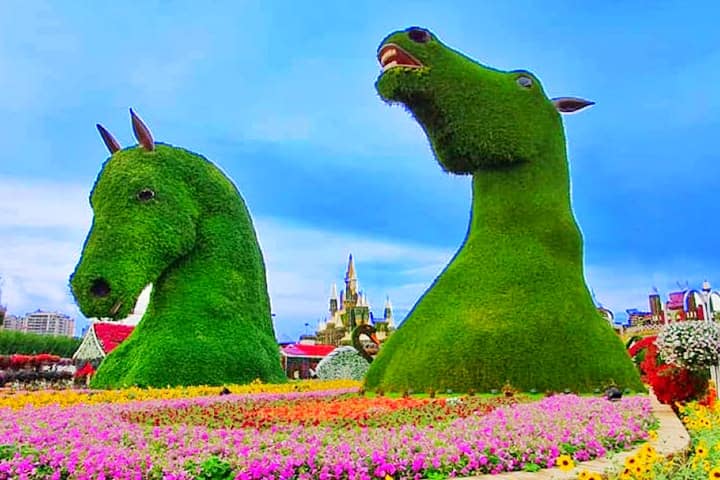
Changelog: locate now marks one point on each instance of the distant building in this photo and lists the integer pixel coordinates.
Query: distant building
(42, 323)
(350, 310)
(13, 322)
(686, 304)
(300, 360)
(3, 309)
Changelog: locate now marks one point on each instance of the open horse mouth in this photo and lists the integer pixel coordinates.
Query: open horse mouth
(391, 56)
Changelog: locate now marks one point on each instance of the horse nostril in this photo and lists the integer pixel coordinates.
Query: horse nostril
(100, 288)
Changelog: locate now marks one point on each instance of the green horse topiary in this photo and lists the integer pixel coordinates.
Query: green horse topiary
(512, 305)
(167, 216)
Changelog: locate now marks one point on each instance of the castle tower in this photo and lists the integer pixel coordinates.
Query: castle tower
(388, 314)
(351, 292)
(656, 307)
(333, 300)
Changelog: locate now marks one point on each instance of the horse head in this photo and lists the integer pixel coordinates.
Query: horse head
(144, 221)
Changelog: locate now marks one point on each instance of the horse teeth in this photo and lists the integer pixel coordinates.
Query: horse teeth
(390, 65)
(390, 52)
(115, 309)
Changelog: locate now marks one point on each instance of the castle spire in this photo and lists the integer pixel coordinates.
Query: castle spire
(387, 314)
(351, 290)
(351, 275)
(333, 300)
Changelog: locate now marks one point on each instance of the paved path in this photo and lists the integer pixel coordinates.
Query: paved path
(672, 439)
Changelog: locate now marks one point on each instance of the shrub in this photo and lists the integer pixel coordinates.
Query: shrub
(670, 383)
(694, 345)
(12, 342)
(342, 363)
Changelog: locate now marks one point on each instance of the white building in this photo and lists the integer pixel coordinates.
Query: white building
(42, 323)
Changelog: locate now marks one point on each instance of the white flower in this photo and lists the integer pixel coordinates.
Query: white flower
(694, 345)
(342, 363)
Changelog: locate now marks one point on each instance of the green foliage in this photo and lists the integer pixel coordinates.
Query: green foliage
(208, 321)
(211, 469)
(12, 342)
(512, 305)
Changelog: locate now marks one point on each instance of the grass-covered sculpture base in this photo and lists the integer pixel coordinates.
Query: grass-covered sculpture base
(167, 216)
(512, 306)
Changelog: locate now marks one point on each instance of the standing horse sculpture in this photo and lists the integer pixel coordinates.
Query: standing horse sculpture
(512, 304)
(167, 216)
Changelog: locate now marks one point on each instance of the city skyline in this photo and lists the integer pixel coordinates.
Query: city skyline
(283, 101)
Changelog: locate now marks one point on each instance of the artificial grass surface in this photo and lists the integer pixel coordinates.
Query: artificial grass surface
(208, 321)
(512, 305)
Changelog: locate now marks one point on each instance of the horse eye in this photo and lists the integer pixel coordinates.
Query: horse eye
(145, 195)
(524, 81)
(419, 35)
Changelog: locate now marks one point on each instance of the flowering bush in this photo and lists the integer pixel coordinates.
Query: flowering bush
(343, 362)
(669, 383)
(694, 345)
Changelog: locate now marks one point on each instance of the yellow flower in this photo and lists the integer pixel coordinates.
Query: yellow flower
(66, 398)
(584, 475)
(652, 435)
(701, 450)
(594, 476)
(630, 462)
(714, 473)
(565, 463)
(626, 474)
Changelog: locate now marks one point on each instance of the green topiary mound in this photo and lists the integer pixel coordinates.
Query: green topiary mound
(166, 216)
(512, 305)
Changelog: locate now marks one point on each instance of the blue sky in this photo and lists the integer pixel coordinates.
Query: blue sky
(280, 95)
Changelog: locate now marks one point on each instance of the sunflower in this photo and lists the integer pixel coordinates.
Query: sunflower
(714, 473)
(627, 474)
(630, 462)
(565, 463)
(701, 450)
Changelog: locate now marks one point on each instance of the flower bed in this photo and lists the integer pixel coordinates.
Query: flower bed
(703, 424)
(99, 441)
(20, 399)
(323, 409)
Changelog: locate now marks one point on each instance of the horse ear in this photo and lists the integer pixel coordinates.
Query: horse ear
(142, 133)
(570, 104)
(110, 142)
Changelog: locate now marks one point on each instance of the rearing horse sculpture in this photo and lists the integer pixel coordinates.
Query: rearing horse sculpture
(167, 216)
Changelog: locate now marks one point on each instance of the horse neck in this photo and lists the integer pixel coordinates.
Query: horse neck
(527, 194)
(528, 202)
(225, 263)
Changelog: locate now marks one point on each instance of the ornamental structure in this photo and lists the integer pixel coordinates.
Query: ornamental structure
(351, 309)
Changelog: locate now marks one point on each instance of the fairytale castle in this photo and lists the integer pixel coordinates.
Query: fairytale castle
(351, 310)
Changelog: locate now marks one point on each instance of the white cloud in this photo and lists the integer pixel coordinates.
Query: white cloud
(43, 204)
(46, 223)
(303, 262)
